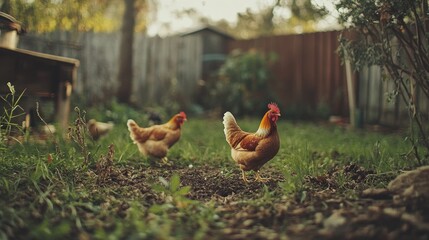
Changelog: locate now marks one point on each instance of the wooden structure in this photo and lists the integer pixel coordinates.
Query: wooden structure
(10, 28)
(214, 51)
(309, 78)
(214, 48)
(41, 76)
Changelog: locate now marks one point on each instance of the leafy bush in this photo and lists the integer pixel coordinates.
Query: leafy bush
(242, 84)
(393, 34)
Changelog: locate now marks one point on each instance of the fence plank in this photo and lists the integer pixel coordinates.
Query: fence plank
(308, 72)
(162, 66)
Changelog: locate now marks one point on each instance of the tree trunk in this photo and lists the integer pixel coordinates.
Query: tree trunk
(125, 75)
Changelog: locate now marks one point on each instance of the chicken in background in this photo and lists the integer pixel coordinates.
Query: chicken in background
(156, 140)
(98, 129)
(154, 118)
(252, 150)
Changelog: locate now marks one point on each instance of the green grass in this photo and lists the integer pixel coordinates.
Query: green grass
(63, 198)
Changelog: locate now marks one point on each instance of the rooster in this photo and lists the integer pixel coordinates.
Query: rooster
(156, 140)
(252, 150)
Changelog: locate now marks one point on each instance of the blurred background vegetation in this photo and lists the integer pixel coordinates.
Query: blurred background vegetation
(277, 17)
(247, 94)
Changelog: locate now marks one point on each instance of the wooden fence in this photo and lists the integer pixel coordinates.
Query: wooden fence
(308, 75)
(164, 68)
(380, 104)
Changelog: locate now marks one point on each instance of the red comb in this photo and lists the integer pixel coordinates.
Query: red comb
(183, 114)
(273, 107)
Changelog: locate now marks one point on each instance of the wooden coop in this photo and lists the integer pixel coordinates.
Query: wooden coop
(41, 77)
(214, 48)
(214, 52)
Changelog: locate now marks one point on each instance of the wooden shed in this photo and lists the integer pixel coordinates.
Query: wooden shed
(214, 51)
(214, 48)
(40, 76)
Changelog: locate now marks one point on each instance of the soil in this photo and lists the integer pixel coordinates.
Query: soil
(325, 207)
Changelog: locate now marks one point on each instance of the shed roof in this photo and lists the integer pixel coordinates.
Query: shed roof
(207, 28)
(39, 56)
(10, 23)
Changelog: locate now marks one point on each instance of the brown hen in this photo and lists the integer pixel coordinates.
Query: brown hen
(252, 150)
(156, 140)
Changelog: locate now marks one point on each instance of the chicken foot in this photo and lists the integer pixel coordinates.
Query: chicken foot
(165, 161)
(258, 178)
(243, 176)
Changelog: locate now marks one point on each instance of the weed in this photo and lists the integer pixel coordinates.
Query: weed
(104, 165)
(173, 194)
(11, 111)
(51, 132)
(41, 171)
(78, 132)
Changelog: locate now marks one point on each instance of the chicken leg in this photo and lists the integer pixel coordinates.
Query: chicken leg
(165, 161)
(243, 176)
(258, 178)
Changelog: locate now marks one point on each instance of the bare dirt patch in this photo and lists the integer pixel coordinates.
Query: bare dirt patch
(326, 208)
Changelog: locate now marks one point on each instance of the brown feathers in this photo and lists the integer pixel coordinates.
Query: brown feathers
(98, 129)
(156, 140)
(252, 150)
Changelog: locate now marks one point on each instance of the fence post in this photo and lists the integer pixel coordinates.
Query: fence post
(350, 91)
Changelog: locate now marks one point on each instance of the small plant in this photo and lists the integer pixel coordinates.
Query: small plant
(11, 111)
(104, 165)
(78, 132)
(174, 195)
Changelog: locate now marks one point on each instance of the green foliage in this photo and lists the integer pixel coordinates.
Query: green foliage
(47, 192)
(212, 147)
(311, 150)
(306, 10)
(174, 194)
(176, 217)
(78, 132)
(45, 230)
(11, 110)
(70, 15)
(393, 34)
(271, 19)
(9, 219)
(242, 86)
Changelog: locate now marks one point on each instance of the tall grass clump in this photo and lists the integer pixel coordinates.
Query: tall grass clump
(11, 111)
(78, 133)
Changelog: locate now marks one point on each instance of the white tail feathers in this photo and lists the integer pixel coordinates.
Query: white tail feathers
(228, 119)
(132, 125)
(230, 125)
